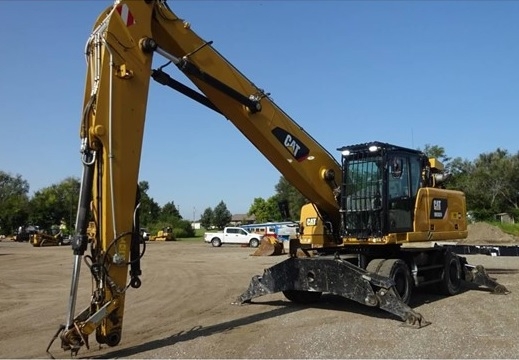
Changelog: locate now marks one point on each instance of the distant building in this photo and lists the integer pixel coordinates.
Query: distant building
(240, 219)
(505, 218)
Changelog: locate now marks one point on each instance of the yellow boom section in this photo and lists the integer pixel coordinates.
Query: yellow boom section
(301, 160)
(119, 57)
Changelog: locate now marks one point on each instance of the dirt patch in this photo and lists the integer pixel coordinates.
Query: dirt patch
(481, 233)
(183, 310)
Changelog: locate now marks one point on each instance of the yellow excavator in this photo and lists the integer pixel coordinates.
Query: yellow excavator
(365, 233)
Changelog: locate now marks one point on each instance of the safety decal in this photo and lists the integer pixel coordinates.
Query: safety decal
(126, 14)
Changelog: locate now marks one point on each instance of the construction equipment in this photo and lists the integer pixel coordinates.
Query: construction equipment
(269, 246)
(166, 234)
(55, 238)
(367, 216)
(393, 211)
(24, 233)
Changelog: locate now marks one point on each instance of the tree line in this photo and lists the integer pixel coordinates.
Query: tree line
(57, 204)
(490, 183)
(284, 205)
(47, 207)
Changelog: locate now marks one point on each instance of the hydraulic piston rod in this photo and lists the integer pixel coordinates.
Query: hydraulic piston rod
(251, 102)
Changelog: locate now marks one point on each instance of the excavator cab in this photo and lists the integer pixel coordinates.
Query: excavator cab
(380, 188)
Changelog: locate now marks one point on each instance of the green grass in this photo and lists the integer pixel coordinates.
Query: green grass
(512, 229)
(199, 236)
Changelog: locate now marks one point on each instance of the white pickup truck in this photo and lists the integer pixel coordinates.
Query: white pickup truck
(232, 235)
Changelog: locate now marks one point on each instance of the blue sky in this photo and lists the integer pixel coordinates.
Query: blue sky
(405, 72)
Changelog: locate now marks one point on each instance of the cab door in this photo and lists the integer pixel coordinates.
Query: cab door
(399, 196)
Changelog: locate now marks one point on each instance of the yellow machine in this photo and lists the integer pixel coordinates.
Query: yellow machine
(392, 196)
(165, 234)
(269, 246)
(368, 211)
(41, 239)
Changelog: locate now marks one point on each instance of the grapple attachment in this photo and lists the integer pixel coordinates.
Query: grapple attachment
(308, 277)
(478, 275)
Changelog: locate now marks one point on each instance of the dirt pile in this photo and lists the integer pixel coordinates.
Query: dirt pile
(481, 233)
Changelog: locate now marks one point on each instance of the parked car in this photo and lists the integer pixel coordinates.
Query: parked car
(232, 235)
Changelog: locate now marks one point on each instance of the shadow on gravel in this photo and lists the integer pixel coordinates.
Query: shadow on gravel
(199, 331)
(420, 297)
(327, 302)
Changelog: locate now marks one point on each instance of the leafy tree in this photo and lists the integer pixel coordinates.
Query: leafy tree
(206, 219)
(259, 209)
(461, 171)
(436, 151)
(14, 202)
(149, 209)
(221, 215)
(269, 210)
(180, 228)
(169, 211)
(494, 184)
(490, 183)
(183, 229)
(265, 210)
(56, 203)
(287, 192)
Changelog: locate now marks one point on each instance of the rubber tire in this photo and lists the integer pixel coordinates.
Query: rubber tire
(216, 242)
(254, 243)
(398, 271)
(302, 297)
(451, 275)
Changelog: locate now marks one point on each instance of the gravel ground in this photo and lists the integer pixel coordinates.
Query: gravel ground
(183, 310)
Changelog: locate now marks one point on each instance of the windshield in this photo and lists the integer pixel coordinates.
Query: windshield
(363, 184)
(362, 199)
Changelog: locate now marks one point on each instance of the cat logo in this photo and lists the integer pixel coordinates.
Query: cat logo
(298, 150)
(438, 208)
(292, 145)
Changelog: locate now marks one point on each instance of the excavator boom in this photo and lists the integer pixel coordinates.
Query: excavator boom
(119, 56)
(301, 160)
